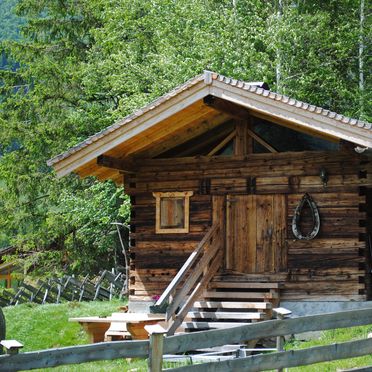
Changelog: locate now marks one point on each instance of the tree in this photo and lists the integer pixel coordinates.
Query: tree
(84, 64)
(43, 111)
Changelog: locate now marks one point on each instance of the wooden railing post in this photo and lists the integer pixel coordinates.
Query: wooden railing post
(11, 346)
(155, 361)
(281, 313)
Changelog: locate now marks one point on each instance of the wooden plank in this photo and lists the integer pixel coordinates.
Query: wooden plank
(282, 312)
(270, 328)
(230, 237)
(286, 359)
(219, 217)
(319, 261)
(228, 284)
(280, 233)
(241, 139)
(178, 121)
(251, 277)
(150, 245)
(326, 286)
(325, 246)
(216, 325)
(251, 245)
(241, 230)
(232, 305)
(265, 167)
(289, 158)
(12, 346)
(237, 295)
(193, 129)
(261, 141)
(202, 143)
(74, 355)
(155, 361)
(224, 142)
(224, 315)
(124, 165)
(264, 248)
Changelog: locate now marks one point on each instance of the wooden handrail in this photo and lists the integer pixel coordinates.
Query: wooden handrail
(181, 275)
(195, 274)
(199, 288)
(189, 284)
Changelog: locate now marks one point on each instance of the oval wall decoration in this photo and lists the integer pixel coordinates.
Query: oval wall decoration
(306, 199)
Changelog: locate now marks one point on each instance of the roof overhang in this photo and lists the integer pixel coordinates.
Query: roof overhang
(182, 114)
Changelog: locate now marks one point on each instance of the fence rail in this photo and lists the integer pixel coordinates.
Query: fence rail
(292, 358)
(74, 355)
(269, 328)
(205, 339)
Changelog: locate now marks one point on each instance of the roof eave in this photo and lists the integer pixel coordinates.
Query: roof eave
(129, 129)
(294, 113)
(250, 95)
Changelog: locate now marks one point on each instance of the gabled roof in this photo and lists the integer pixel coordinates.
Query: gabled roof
(182, 113)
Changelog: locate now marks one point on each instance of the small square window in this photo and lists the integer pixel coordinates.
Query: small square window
(172, 211)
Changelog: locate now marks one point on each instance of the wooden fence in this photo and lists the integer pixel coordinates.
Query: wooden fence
(159, 345)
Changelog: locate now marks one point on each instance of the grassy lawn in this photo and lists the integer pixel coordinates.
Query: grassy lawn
(40, 327)
(331, 337)
(46, 326)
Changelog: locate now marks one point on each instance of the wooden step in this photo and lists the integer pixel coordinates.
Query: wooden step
(225, 315)
(232, 305)
(209, 325)
(240, 295)
(241, 277)
(242, 285)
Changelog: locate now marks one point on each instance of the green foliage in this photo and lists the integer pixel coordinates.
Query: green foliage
(9, 22)
(318, 51)
(83, 64)
(55, 224)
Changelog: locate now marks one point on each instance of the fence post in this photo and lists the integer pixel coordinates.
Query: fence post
(11, 346)
(281, 313)
(155, 361)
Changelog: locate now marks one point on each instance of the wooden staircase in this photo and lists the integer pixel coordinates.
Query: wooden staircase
(202, 297)
(228, 302)
(192, 279)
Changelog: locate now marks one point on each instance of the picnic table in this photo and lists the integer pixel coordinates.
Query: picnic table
(134, 323)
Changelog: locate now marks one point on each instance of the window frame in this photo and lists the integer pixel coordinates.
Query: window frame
(186, 212)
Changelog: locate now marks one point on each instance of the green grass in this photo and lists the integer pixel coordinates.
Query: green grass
(331, 337)
(40, 327)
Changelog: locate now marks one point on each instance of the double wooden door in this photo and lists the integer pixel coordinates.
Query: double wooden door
(256, 233)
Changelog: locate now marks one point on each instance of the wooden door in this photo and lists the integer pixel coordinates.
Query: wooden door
(255, 233)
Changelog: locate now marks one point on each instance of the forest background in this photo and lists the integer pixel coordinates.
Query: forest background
(69, 68)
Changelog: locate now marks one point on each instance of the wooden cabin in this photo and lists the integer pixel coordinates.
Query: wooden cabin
(255, 195)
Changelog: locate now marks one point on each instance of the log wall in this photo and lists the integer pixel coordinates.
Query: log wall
(329, 267)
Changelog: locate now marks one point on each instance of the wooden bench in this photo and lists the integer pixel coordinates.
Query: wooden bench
(118, 325)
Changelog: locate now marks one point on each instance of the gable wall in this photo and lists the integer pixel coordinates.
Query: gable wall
(329, 267)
